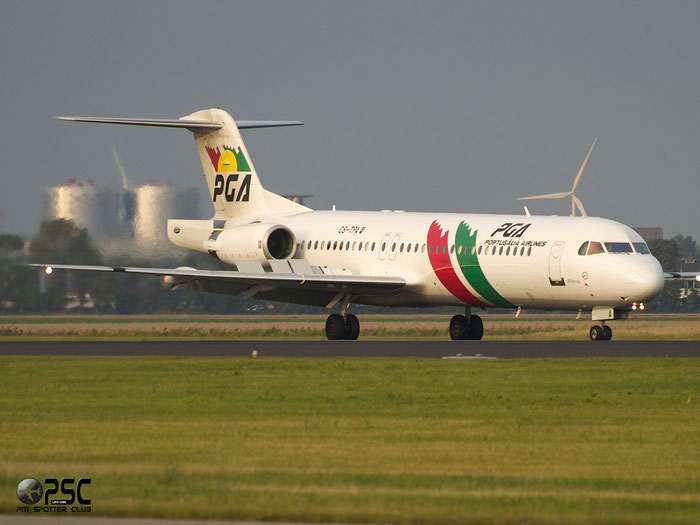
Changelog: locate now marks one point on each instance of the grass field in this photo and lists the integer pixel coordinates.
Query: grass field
(362, 440)
(527, 327)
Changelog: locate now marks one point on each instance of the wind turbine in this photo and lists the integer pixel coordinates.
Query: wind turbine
(575, 201)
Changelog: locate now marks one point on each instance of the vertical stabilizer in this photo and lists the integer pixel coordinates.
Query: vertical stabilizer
(234, 187)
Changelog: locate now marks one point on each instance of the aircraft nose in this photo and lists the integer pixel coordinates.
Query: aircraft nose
(647, 279)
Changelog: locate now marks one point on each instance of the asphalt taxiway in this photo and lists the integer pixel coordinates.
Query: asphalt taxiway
(431, 349)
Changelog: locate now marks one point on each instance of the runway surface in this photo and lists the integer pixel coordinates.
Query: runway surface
(432, 349)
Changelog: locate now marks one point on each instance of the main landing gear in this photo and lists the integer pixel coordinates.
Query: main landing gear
(601, 333)
(466, 327)
(343, 325)
(339, 328)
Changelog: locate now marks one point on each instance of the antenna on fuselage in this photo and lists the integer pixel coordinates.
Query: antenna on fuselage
(575, 201)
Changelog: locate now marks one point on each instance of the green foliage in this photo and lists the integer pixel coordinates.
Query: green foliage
(60, 241)
(687, 247)
(360, 440)
(666, 251)
(9, 245)
(19, 289)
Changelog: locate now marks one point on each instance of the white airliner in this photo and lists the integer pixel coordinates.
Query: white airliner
(283, 251)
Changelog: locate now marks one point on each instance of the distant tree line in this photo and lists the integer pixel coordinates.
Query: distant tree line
(28, 290)
(670, 253)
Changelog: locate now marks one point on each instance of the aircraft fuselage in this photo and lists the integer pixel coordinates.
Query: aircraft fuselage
(481, 259)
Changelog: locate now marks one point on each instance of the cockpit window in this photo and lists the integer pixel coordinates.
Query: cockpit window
(618, 247)
(595, 247)
(641, 247)
(583, 248)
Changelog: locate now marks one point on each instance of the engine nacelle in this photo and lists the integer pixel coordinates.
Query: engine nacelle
(255, 241)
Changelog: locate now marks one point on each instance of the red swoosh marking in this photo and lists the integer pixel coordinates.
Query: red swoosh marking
(442, 266)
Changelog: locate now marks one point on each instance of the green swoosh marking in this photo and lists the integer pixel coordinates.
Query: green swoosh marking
(469, 264)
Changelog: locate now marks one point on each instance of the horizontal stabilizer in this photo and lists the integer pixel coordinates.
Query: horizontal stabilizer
(196, 126)
(252, 124)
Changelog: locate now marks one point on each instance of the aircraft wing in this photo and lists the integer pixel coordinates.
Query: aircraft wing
(286, 277)
(670, 276)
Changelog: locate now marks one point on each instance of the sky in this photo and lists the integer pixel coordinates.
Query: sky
(420, 106)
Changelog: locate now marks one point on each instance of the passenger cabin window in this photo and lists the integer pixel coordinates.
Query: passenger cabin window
(595, 247)
(583, 248)
(618, 247)
(641, 247)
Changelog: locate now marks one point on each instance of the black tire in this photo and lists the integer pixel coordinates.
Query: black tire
(459, 328)
(335, 327)
(476, 328)
(352, 327)
(607, 333)
(596, 333)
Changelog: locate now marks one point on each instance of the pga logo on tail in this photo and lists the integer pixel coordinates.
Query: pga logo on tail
(232, 162)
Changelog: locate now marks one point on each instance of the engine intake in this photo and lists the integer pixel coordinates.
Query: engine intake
(280, 244)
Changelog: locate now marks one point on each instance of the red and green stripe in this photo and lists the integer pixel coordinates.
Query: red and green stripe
(468, 260)
(439, 257)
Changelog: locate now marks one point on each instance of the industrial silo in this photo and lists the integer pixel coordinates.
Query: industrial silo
(154, 204)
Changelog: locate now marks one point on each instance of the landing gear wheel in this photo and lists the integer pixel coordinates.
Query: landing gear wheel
(597, 333)
(352, 327)
(607, 333)
(335, 327)
(459, 328)
(476, 328)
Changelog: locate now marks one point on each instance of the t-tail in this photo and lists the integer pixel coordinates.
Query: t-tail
(235, 190)
(234, 186)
